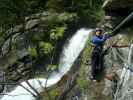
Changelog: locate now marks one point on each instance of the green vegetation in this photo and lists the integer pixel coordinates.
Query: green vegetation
(89, 9)
(57, 19)
(14, 12)
(83, 75)
(57, 33)
(32, 52)
(35, 50)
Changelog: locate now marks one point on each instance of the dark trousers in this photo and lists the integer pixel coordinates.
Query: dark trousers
(96, 62)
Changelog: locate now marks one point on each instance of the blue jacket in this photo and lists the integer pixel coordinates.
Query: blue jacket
(99, 40)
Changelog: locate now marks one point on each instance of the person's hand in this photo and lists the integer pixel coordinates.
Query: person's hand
(107, 35)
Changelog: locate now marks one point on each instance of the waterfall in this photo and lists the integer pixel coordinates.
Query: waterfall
(124, 90)
(70, 53)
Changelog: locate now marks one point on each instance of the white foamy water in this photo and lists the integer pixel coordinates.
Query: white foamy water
(70, 53)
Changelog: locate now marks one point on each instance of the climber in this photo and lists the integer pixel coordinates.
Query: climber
(98, 40)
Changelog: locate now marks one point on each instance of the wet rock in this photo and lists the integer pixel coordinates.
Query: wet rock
(118, 4)
(2, 78)
(16, 29)
(36, 16)
(118, 9)
(108, 88)
(6, 47)
(31, 23)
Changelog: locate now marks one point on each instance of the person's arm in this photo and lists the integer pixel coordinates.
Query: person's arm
(98, 40)
(107, 35)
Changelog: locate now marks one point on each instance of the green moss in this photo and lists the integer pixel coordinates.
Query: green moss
(82, 81)
(32, 52)
(86, 53)
(57, 33)
(51, 94)
(46, 47)
(55, 92)
(51, 67)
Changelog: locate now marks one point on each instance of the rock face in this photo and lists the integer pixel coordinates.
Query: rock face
(117, 58)
(121, 7)
(115, 61)
(124, 88)
(32, 23)
(118, 4)
(28, 47)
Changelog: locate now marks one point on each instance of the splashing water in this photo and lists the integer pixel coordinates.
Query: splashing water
(70, 53)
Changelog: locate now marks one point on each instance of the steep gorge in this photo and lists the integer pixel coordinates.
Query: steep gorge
(34, 48)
